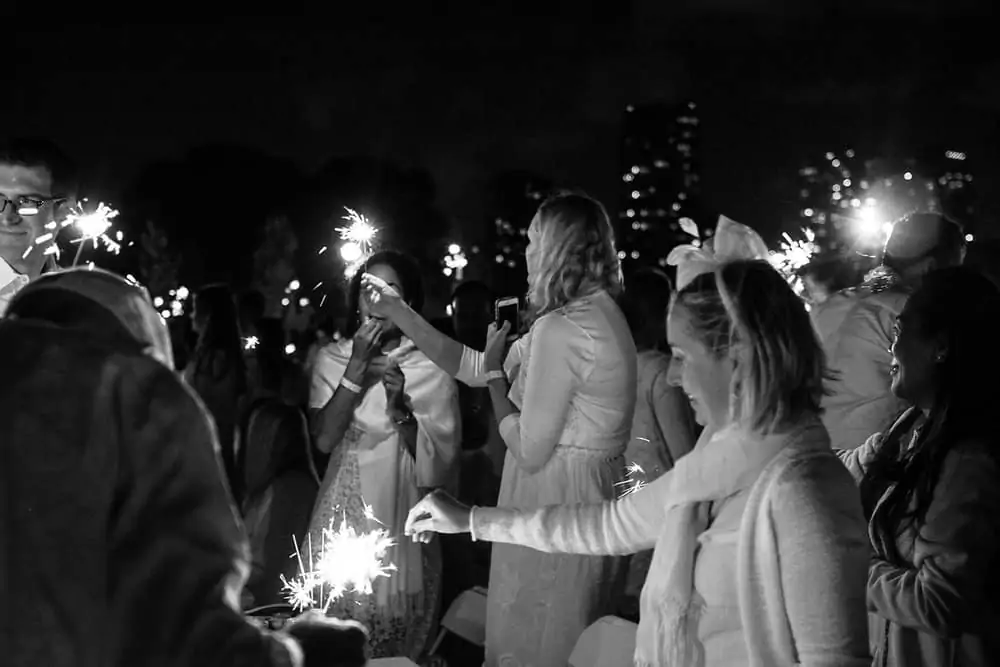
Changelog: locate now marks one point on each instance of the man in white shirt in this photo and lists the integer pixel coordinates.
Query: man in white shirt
(36, 186)
(858, 332)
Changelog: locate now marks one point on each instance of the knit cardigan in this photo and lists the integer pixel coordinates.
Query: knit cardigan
(801, 563)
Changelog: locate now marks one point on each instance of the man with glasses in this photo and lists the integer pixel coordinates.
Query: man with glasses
(36, 181)
(857, 337)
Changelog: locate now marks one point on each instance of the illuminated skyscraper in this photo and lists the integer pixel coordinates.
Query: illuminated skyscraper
(659, 182)
(515, 196)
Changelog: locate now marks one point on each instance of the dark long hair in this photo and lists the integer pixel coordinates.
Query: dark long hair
(219, 350)
(645, 302)
(409, 276)
(962, 308)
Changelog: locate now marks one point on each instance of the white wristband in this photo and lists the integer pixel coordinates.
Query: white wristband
(350, 386)
(495, 375)
(472, 522)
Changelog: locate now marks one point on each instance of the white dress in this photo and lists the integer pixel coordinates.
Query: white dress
(370, 466)
(574, 380)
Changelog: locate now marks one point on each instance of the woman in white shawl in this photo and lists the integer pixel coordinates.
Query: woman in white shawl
(389, 417)
(759, 542)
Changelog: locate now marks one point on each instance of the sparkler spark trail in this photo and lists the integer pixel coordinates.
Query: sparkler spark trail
(250, 343)
(357, 237)
(94, 226)
(348, 561)
(793, 256)
(632, 481)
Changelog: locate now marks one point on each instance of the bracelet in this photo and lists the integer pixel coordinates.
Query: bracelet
(472, 522)
(495, 375)
(350, 386)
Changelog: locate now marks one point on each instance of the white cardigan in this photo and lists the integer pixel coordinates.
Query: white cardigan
(802, 557)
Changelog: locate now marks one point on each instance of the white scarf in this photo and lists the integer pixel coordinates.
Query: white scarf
(721, 464)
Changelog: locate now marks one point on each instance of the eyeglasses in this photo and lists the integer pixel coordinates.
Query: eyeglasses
(28, 204)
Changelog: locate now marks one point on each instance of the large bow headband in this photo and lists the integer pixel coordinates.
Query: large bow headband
(732, 241)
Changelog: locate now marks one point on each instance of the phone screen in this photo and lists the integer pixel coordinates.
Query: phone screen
(507, 310)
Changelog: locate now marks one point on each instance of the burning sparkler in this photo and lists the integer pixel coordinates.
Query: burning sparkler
(793, 256)
(347, 561)
(250, 343)
(94, 226)
(632, 482)
(357, 239)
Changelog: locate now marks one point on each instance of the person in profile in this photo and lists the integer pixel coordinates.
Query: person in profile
(121, 545)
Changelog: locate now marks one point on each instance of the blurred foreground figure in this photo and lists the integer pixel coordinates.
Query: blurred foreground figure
(120, 544)
(856, 331)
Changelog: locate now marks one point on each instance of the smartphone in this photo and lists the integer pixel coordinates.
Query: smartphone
(508, 309)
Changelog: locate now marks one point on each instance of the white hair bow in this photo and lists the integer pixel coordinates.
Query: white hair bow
(731, 241)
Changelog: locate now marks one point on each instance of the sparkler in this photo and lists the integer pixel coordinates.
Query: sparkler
(357, 239)
(347, 561)
(94, 226)
(632, 482)
(250, 343)
(793, 256)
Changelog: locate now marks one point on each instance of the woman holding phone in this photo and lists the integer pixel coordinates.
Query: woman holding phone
(563, 398)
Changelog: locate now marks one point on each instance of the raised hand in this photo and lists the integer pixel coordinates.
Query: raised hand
(381, 297)
(437, 512)
(496, 344)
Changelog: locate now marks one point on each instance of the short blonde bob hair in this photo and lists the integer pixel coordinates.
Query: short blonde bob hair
(746, 310)
(577, 245)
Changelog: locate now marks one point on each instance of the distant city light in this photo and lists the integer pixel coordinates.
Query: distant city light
(628, 178)
(907, 176)
(630, 212)
(454, 249)
(621, 254)
(835, 163)
(849, 152)
(303, 302)
(290, 349)
(808, 212)
(636, 194)
(294, 285)
(954, 155)
(635, 169)
(847, 182)
(829, 156)
(635, 254)
(969, 238)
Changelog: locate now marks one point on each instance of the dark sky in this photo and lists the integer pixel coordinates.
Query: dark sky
(470, 91)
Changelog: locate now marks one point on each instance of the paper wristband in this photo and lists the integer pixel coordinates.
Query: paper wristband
(350, 386)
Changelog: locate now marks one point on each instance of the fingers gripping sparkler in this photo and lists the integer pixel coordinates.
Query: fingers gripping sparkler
(348, 560)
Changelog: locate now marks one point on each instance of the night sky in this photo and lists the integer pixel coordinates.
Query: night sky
(468, 92)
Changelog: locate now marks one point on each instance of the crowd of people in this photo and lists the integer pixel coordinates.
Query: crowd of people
(752, 477)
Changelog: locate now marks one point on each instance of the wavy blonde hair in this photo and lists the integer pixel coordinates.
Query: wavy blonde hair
(577, 245)
(746, 310)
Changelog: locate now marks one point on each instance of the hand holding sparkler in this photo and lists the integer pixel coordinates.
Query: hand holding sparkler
(437, 512)
(381, 297)
(328, 642)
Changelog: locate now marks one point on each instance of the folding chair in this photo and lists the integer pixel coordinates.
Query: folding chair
(466, 617)
(609, 642)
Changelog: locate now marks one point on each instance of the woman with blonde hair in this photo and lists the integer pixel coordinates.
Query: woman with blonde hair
(759, 543)
(563, 399)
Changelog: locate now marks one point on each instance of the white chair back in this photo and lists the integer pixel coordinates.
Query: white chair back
(609, 642)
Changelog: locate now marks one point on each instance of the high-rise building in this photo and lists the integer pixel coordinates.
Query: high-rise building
(514, 198)
(659, 182)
